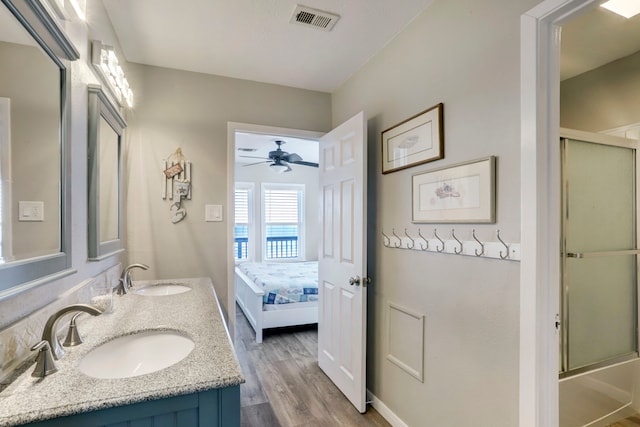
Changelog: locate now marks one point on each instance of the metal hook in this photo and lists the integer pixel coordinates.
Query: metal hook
(423, 238)
(505, 245)
(388, 242)
(413, 242)
(435, 233)
(453, 234)
(399, 244)
(473, 233)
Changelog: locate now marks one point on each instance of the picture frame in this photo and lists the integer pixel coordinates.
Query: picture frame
(417, 140)
(461, 193)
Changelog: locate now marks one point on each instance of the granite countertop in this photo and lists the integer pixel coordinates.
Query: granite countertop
(196, 314)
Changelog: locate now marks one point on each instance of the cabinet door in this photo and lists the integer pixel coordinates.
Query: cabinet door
(214, 408)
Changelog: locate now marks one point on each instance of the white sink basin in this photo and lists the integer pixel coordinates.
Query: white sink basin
(162, 289)
(136, 354)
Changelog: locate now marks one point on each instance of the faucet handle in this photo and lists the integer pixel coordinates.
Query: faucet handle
(129, 280)
(73, 336)
(45, 364)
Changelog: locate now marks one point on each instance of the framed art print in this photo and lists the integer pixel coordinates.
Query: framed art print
(460, 193)
(417, 140)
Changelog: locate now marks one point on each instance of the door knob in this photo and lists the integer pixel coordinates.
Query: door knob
(354, 281)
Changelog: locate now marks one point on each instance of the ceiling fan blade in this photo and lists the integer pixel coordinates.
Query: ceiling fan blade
(257, 163)
(292, 158)
(303, 163)
(254, 157)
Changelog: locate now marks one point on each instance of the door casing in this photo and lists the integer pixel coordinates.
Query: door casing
(540, 207)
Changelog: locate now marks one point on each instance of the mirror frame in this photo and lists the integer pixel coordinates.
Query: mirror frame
(100, 106)
(25, 274)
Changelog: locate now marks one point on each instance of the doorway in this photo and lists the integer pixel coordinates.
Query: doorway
(341, 266)
(541, 202)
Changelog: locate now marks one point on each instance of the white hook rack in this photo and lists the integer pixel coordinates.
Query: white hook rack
(476, 247)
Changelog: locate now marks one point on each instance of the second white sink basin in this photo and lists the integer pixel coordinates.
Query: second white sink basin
(162, 289)
(136, 354)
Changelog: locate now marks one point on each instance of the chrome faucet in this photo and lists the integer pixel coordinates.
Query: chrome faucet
(125, 278)
(49, 332)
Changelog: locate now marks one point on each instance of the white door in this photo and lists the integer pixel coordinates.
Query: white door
(342, 259)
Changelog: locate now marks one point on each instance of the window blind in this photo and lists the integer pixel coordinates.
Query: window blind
(281, 206)
(242, 206)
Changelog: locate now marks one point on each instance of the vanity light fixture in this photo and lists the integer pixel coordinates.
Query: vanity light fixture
(626, 8)
(63, 9)
(105, 61)
(79, 7)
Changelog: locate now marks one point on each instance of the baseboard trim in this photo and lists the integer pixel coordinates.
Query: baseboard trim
(384, 410)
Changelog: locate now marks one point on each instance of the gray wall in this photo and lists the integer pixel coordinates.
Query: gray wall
(190, 110)
(604, 98)
(465, 54)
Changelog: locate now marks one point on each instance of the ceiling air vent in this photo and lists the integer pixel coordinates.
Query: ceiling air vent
(315, 18)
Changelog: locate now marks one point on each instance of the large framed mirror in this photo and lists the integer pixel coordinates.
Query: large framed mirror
(35, 231)
(106, 126)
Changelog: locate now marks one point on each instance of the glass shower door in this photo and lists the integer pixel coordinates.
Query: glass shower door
(599, 257)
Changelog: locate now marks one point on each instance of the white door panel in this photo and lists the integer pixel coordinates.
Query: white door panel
(342, 315)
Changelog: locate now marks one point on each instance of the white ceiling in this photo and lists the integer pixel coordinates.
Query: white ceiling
(596, 38)
(254, 40)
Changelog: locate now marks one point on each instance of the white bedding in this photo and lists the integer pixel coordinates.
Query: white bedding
(284, 283)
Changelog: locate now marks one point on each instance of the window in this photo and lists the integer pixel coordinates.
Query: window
(243, 223)
(283, 225)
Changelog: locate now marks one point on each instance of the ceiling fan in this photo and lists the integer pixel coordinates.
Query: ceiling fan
(279, 160)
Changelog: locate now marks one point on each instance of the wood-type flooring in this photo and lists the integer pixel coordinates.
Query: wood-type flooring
(286, 388)
(284, 385)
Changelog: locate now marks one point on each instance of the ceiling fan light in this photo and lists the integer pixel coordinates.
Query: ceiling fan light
(279, 167)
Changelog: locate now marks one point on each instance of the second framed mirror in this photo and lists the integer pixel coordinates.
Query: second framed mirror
(106, 127)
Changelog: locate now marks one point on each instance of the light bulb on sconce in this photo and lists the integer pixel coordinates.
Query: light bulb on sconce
(105, 62)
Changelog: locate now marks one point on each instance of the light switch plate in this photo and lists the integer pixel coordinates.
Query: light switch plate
(30, 211)
(213, 213)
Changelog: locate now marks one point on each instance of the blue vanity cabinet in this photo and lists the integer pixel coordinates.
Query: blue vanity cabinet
(212, 408)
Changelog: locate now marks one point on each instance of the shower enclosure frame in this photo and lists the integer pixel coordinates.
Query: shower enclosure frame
(603, 139)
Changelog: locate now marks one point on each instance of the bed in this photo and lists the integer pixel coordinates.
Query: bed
(274, 295)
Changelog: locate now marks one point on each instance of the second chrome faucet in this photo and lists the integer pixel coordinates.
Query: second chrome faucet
(125, 278)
